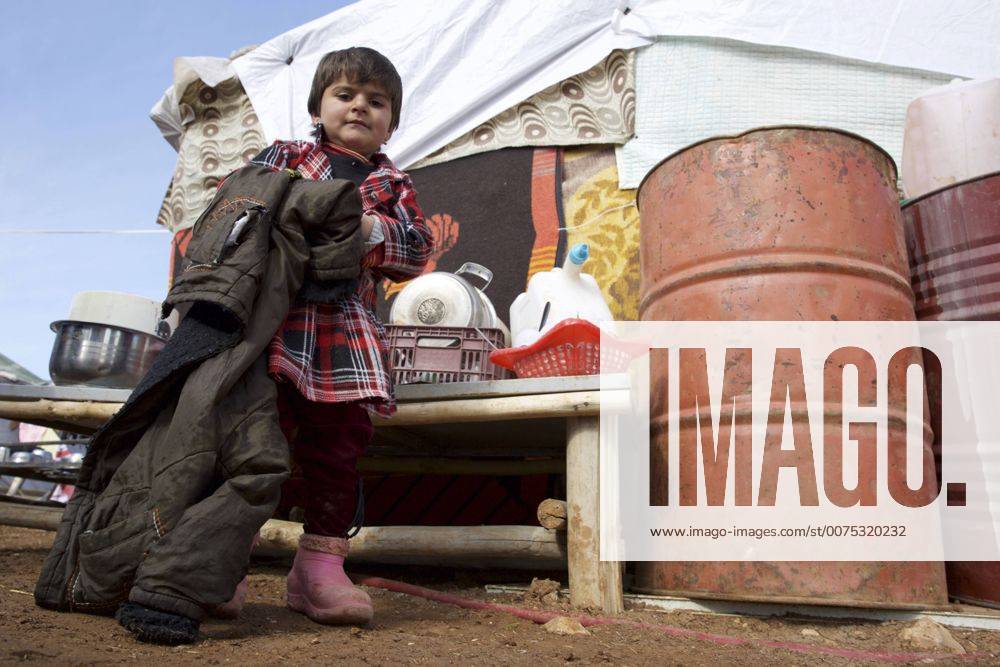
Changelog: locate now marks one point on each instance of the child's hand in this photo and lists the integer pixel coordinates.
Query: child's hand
(367, 223)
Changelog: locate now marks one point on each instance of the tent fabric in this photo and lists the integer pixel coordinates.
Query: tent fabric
(958, 37)
(218, 128)
(594, 107)
(221, 134)
(689, 89)
(462, 61)
(465, 61)
(168, 113)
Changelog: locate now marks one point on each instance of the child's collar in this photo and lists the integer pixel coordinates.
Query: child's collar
(348, 152)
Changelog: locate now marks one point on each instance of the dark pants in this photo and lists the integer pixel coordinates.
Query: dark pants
(326, 441)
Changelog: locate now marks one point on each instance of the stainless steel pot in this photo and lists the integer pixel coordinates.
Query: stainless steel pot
(101, 356)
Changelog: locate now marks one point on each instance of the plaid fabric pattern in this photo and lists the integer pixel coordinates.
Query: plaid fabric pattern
(334, 353)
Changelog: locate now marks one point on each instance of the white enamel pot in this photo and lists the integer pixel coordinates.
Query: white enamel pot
(444, 299)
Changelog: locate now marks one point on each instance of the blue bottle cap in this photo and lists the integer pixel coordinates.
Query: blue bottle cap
(579, 253)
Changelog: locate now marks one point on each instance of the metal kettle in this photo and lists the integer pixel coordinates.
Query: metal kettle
(445, 299)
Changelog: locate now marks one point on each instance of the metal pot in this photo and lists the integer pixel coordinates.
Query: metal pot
(126, 311)
(443, 299)
(101, 356)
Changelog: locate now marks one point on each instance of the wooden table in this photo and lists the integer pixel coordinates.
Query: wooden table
(519, 426)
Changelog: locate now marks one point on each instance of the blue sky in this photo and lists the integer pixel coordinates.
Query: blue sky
(78, 80)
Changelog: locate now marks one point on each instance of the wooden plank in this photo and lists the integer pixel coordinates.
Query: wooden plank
(592, 584)
(582, 403)
(552, 514)
(76, 416)
(63, 393)
(87, 416)
(517, 547)
(53, 471)
(406, 393)
(26, 516)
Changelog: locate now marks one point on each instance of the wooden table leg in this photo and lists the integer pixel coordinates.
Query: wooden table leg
(591, 583)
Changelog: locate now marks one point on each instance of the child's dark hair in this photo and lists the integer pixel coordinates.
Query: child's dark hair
(360, 65)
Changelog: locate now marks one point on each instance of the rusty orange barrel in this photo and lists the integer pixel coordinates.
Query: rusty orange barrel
(953, 239)
(781, 223)
(775, 224)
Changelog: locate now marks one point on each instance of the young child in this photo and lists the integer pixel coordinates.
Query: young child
(331, 359)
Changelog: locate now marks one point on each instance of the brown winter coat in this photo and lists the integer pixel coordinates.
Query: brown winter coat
(176, 484)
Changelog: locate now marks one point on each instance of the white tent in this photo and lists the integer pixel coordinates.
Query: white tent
(464, 61)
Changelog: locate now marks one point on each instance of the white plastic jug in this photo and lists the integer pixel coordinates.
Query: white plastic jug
(552, 296)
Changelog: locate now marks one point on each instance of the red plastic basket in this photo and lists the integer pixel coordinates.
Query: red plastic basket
(571, 347)
(443, 354)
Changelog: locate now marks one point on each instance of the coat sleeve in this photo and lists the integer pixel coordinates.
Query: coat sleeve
(407, 242)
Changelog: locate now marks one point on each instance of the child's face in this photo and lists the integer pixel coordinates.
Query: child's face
(355, 116)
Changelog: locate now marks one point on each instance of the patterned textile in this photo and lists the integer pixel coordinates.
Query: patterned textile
(576, 189)
(222, 136)
(338, 352)
(546, 215)
(595, 107)
(500, 209)
(600, 214)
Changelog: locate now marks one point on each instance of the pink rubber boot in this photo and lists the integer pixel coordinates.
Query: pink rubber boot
(319, 588)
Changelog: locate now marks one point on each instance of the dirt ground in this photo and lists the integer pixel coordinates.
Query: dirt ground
(411, 630)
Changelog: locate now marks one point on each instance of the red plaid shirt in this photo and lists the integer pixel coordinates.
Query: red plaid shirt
(338, 352)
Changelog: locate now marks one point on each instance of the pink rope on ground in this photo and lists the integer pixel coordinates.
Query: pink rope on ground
(538, 616)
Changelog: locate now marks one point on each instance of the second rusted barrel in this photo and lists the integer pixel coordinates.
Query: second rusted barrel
(782, 223)
(953, 238)
(953, 235)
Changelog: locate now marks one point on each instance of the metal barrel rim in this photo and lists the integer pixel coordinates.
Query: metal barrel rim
(766, 128)
(944, 188)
